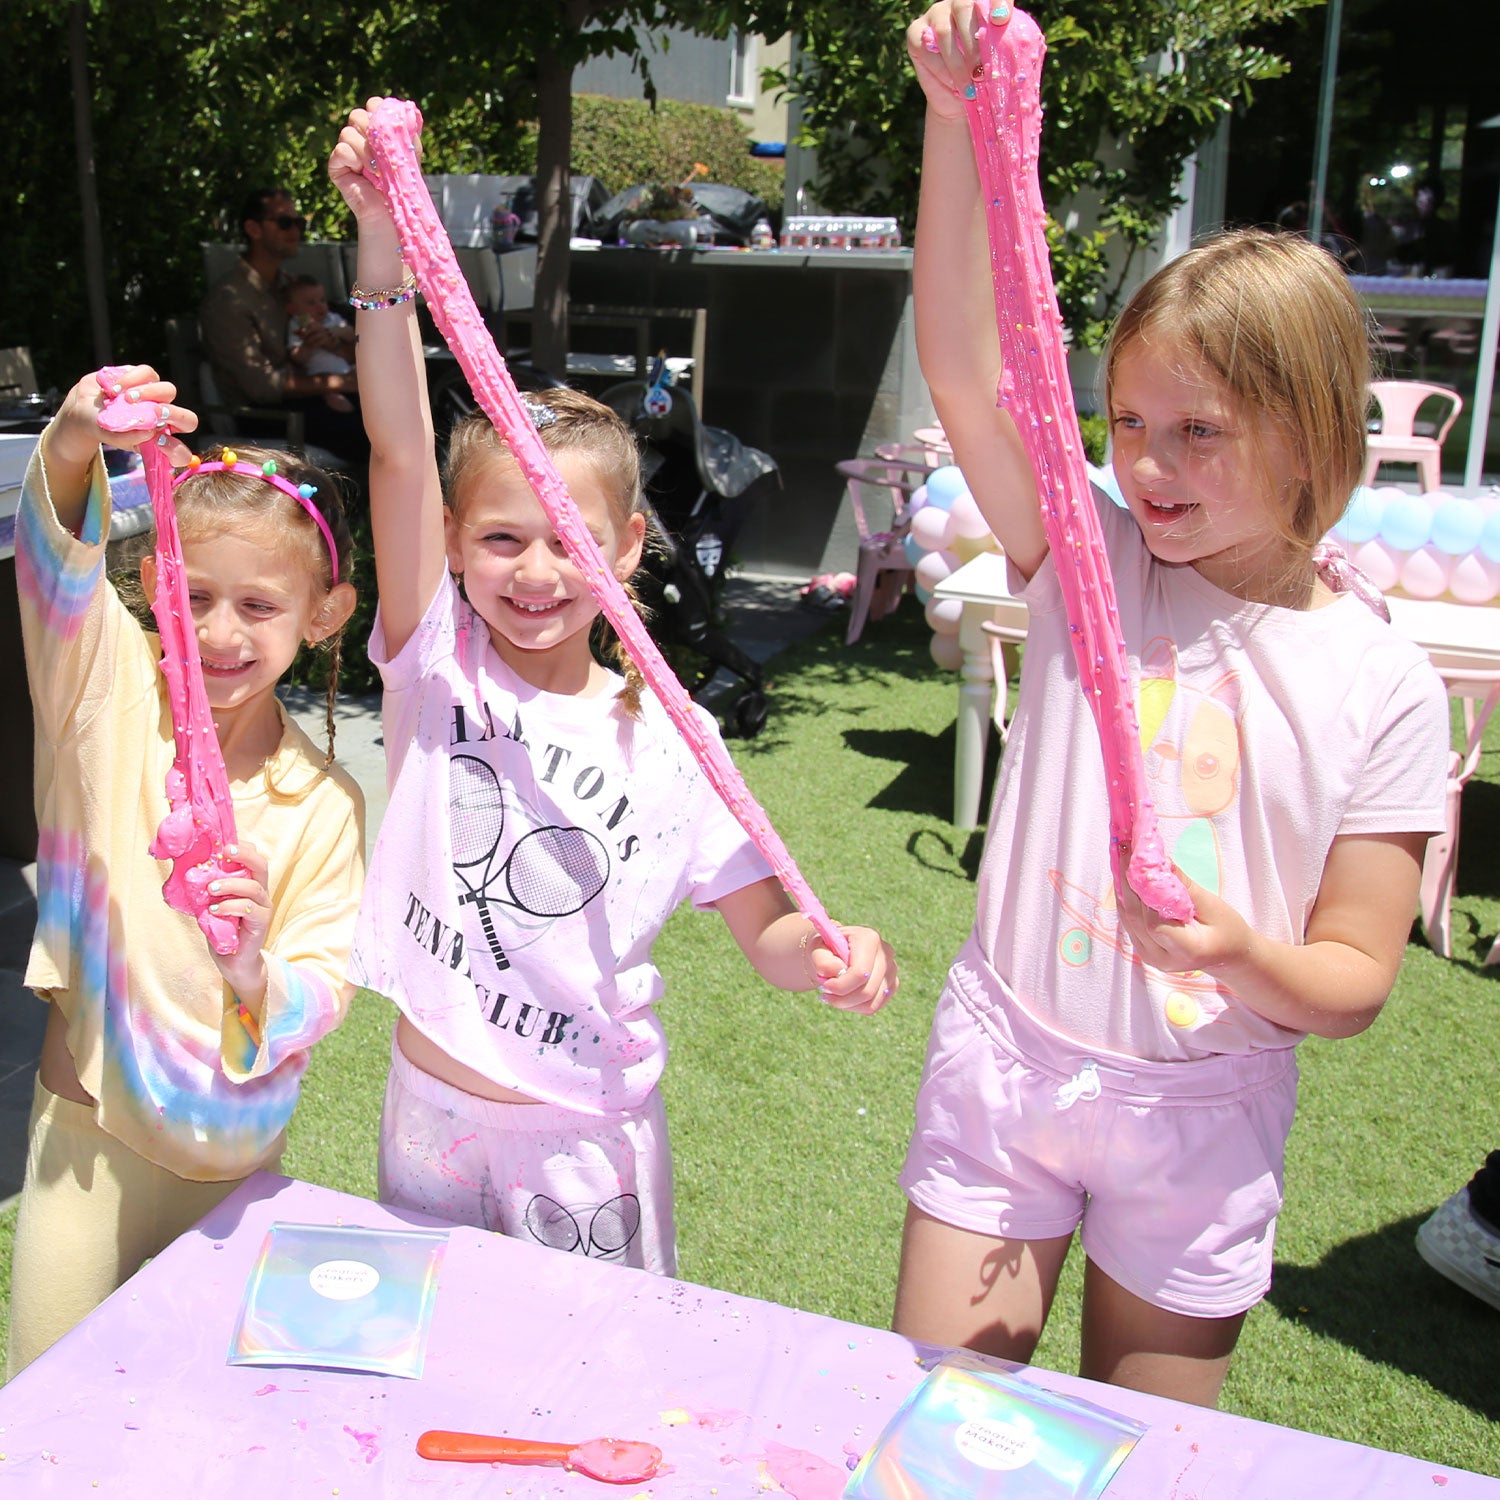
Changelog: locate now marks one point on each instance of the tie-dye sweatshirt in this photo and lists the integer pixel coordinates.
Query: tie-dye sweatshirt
(151, 1025)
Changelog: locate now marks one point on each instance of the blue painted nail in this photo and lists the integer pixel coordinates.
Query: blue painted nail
(971, 92)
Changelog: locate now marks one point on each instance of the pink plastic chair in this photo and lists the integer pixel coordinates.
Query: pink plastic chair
(1480, 692)
(1398, 441)
(883, 571)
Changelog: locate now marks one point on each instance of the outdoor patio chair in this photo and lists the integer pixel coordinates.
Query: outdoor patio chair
(883, 570)
(1402, 439)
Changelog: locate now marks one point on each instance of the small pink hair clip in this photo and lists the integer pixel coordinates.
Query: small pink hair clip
(230, 463)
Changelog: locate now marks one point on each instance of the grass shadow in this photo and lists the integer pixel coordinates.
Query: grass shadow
(1374, 1295)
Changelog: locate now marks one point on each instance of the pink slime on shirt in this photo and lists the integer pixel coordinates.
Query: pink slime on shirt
(1005, 122)
(200, 823)
(394, 128)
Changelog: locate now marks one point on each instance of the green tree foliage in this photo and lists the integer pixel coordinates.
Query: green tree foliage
(625, 141)
(1130, 89)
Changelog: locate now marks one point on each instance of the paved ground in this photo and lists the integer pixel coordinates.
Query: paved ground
(764, 615)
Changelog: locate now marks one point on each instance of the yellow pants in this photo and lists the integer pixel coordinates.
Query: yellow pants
(91, 1212)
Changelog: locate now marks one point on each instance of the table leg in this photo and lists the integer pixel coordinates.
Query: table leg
(975, 692)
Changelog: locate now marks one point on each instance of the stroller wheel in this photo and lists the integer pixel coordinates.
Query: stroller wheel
(749, 713)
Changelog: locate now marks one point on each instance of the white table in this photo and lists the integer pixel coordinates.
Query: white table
(981, 586)
(1458, 637)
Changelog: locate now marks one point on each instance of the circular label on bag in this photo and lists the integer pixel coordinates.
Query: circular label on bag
(996, 1444)
(343, 1280)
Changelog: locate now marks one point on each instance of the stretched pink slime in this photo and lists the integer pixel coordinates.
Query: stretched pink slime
(1005, 122)
(394, 128)
(200, 822)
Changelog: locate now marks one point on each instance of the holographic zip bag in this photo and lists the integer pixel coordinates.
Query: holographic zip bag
(340, 1298)
(975, 1429)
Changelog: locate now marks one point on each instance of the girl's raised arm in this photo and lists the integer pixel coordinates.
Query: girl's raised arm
(954, 297)
(406, 498)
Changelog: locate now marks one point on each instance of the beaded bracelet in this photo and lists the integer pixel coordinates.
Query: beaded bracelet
(363, 300)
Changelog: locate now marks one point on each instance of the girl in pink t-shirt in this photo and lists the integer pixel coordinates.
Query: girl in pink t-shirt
(1095, 1068)
(545, 819)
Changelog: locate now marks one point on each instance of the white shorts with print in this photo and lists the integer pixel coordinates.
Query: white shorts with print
(594, 1185)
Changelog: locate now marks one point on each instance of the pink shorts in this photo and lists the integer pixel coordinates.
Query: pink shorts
(1174, 1170)
(595, 1185)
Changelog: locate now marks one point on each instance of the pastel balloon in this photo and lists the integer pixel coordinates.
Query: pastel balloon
(913, 549)
(946, 652)
(933, 528)
(1489, 538)
(1104, 479)
(944, 615)
(945, 485)
(934, 567)
(1424, 575)
(1475, 579)
(1376, 562)
(923, 595)
(1360, 522)
(1457, 524)
(967, 520)
(1406, 524)
(916, 500)
(964, 547)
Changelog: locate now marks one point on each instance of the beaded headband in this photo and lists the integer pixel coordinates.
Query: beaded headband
(301, 493)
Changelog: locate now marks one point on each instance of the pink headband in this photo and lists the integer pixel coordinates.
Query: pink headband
(301, 493)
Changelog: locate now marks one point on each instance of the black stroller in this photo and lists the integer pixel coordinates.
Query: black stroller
(698, 481)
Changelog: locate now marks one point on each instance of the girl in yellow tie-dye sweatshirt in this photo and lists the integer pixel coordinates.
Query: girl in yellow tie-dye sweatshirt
(168, 1071)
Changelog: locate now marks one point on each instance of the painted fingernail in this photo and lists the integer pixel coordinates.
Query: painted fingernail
(131, 395)
(929, 39)
(978, 71)
(1000, 13)
(971, 92)
(216, 886)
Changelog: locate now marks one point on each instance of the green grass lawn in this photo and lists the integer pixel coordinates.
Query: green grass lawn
(789, 1120)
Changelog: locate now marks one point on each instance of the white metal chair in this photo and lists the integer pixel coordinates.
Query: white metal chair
(883, 570)
(1400, 439)
(1480, 692)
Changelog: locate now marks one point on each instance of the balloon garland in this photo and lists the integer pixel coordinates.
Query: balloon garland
(394, 128)
(1005, 119)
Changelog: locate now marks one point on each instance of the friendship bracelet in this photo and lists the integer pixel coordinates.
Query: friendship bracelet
(808, 934)
(365, 300)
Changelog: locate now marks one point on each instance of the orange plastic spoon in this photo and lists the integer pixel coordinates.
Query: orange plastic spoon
(609, 1459)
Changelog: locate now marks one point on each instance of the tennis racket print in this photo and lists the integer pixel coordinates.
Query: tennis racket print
(551, 871)
(476, 815)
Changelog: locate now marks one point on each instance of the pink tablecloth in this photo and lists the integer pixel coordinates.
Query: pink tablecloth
(745, 1398)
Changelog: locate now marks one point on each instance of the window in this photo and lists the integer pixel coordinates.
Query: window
(743, 82)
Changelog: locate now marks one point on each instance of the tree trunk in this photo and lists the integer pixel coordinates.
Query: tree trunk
(554, 184)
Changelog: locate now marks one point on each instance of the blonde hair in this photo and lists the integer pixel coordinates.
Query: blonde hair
(208, 504)
(569, 422)
(1274, 317)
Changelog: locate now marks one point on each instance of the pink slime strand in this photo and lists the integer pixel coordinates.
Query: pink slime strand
(1005, 122)
(394, 128)
(200, 823)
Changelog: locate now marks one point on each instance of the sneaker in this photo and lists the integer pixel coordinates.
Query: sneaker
(1456, 1245)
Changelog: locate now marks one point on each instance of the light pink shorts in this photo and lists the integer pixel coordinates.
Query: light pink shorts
(594, 1185)
(1174, 1170)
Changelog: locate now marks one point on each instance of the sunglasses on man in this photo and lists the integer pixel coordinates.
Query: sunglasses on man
(286, 221)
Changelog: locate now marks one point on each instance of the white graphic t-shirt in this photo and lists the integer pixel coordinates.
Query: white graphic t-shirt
(533, 847)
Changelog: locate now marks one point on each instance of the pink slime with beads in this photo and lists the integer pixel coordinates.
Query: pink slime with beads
(199, 826)
(1005, 122)
(394, 128)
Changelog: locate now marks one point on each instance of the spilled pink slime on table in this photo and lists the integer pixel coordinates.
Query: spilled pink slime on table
(199, 824)
(1005, 122)
(369, 1443)
(394, 127)
(804, 1475)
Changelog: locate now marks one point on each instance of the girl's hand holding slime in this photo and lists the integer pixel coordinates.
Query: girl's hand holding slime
(862, 985)
(388, 159)
(1003, 102)
(199, 828)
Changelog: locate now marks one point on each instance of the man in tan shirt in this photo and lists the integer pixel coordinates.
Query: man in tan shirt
(243, 321)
